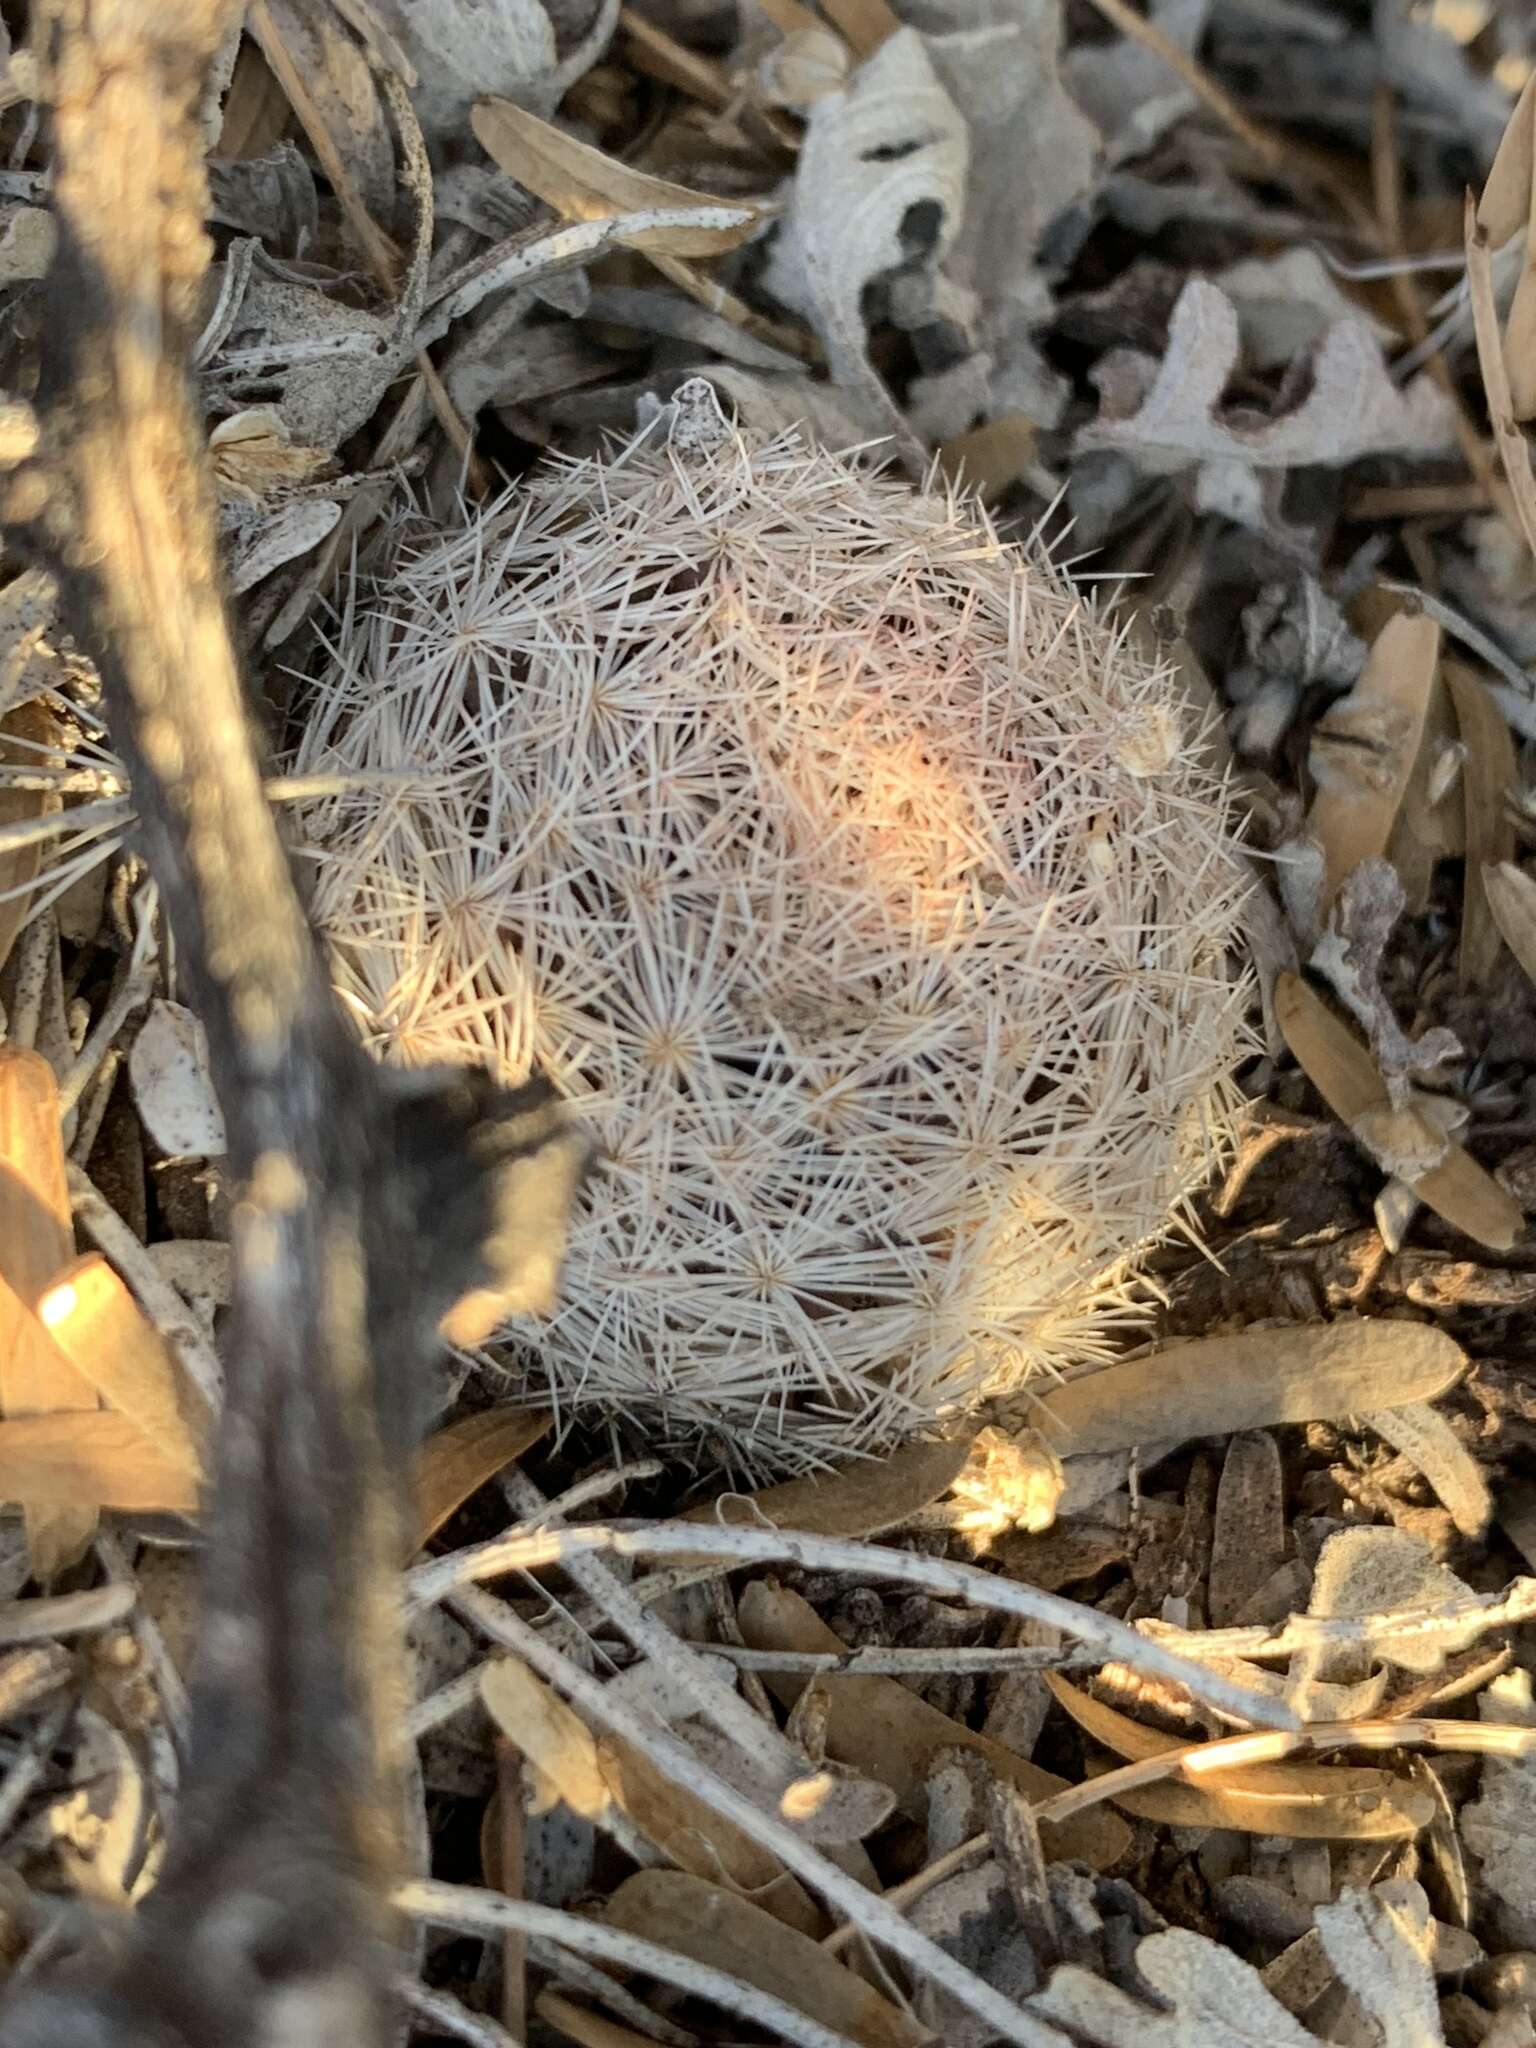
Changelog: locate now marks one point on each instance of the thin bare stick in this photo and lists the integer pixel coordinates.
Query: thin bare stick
(867, 1909)
(521, 1551)
(472, 1911)
(1197, 1761)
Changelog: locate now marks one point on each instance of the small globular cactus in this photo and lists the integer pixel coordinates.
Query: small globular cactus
(865, 886)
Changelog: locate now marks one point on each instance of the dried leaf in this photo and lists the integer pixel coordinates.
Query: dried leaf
(1307, 1801)
(1213, 1998)
(1378, 1571)
(252, 455)
(1424, 1436)
(557, 1743)
(37, 1239)
(885, 1731)
(712, 1925)
(1167, 416)
(283, 536)
(1511, 895)
(865, 1498)
(1127, 90)
(102, 1330)
(53, 1462)
(1345, 1075)
(1488, 776)
(1252, 1380)
(1499, 1826)
(692, 1835)
(583, 184)
(458, 1459)
(889, 149)
(172, 1085)
(1377, 1957)
(1364, 747)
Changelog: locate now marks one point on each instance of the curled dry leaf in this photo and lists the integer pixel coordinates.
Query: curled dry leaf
(1364, 747)
(1423, 1435)
(1443, 1173)
(1254, 1379)
(1378, 1572)
(709, 1923)
(582, 183)
(889, 151)
(458, 1459)
(885, 1731)
(1307, 1801)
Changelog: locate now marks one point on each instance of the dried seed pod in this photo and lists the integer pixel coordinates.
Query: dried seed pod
(864, 884)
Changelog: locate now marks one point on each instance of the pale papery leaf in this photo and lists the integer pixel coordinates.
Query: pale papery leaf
(1379, 1949)
(1499, 1826)
(172, 1085)
(1167, 415)
(1215, 2000)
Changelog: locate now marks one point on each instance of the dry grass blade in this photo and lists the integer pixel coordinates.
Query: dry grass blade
(1341, 1069)
(1364, 748)
(37, 1239)
(457, 1460)
(1488, 776)
(19, 865)
(1307, 1801)
(711, 1924)
(1511, 895)
(1254, 1379)
(1514, 449)
(866, 1498)
(584, 184)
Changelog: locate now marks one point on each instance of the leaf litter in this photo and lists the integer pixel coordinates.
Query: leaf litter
(1112, 265)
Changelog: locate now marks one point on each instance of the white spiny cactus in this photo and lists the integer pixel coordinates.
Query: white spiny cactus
(862, 883)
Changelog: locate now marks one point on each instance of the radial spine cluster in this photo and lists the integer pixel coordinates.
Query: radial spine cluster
(862, 883)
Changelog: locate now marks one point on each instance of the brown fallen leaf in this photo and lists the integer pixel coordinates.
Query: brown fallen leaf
(56, 1461)
(1309, 1801)
(590, 2029)
(559, 1746)
(1365, 745)
(712, 1925)
(886, 1732)
(692, 1835)
(102, 1330)
(1505, 210)
(865, 1498)
(1254, 1379)
(583, 183)
(457, 1460)
(991, 457)
(1341, 1069)
(1511, 895)
(1488, 775)
(37, 1239)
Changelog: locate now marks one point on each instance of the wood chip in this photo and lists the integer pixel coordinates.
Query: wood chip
(1341, 1069)
(1211, 1386)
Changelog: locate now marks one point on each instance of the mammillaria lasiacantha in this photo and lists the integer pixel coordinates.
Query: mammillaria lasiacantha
(858, 879)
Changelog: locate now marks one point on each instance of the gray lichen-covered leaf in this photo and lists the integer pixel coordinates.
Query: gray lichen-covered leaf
(1131, 94)
(1379, 1946)
(1499, 1827)
(880, 185)
(462, 50)
(1377, 1571)
(1214, 2000)
(1166, 416)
